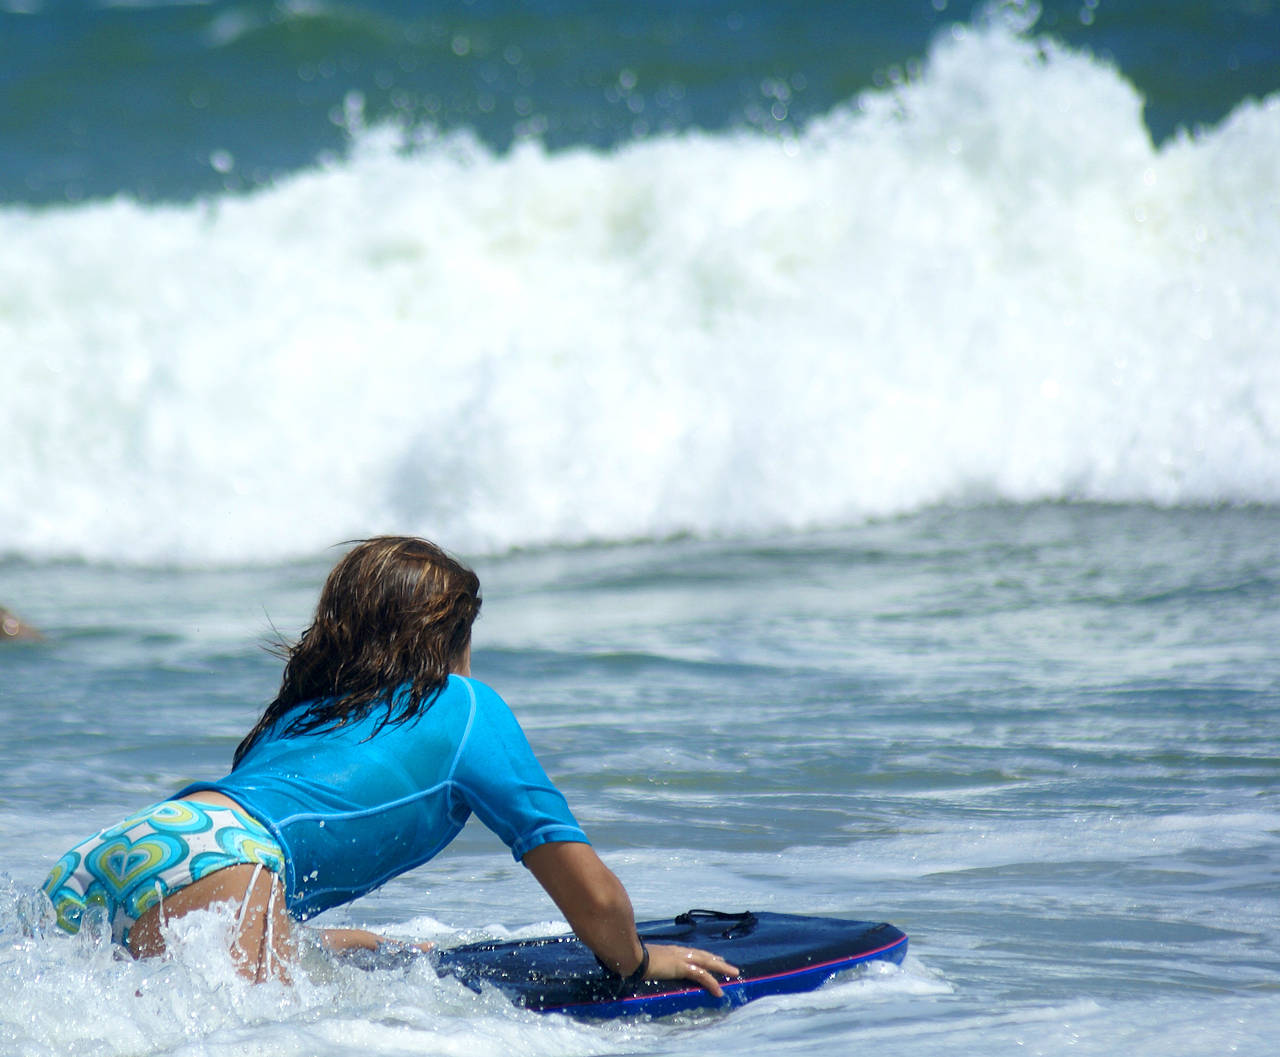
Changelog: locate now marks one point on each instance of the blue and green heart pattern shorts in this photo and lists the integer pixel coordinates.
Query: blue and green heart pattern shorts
(131, 867)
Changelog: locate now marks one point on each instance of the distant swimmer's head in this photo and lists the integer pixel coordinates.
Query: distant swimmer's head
(12, 629)
(396, 611)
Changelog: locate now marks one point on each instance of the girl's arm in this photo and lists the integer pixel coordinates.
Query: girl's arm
(598, 909)
(337, 940)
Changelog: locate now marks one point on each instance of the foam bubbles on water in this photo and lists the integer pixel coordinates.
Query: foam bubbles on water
(61, 994)
(983, 283)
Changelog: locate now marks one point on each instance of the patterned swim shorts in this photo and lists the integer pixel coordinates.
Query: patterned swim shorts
(129, 868)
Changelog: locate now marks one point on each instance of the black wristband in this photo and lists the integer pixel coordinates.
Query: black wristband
(640, 969)
(637, 974)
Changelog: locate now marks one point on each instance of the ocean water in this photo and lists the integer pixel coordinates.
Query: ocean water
(865, 421)
(1041, 739)
(983, 281)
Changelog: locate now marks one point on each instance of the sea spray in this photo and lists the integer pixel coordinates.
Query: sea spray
(64, 993)
(982, 283)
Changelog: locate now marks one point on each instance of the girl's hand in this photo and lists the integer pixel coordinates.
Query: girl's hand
(669, 962)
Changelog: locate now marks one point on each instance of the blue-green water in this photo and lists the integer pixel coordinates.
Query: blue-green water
(1042, 740)
(865, 420)
(171, 99)
(725, 269)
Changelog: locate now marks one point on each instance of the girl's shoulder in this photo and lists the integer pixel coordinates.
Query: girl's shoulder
(476, 692)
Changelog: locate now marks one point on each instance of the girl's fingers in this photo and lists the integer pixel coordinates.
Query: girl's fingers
(689, 963)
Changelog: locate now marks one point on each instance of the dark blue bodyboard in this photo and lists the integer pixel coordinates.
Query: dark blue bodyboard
(777, 953)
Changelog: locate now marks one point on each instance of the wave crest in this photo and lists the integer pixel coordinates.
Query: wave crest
(985, 282)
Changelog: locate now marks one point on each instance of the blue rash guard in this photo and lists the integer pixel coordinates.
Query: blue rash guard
(351, 809)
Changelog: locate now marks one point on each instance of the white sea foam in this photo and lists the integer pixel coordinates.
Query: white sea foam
(65, 994)
(986, 283)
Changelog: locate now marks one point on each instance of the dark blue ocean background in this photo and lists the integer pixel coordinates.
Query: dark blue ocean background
(155, 99)
(864, 419)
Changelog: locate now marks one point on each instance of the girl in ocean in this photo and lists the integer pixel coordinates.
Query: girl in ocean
(372, 756)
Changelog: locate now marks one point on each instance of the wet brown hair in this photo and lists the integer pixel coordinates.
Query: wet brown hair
(395, 611)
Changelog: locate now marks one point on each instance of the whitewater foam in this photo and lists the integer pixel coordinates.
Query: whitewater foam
(984, 283)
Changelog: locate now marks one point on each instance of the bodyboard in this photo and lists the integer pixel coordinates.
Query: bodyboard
(777, 954)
